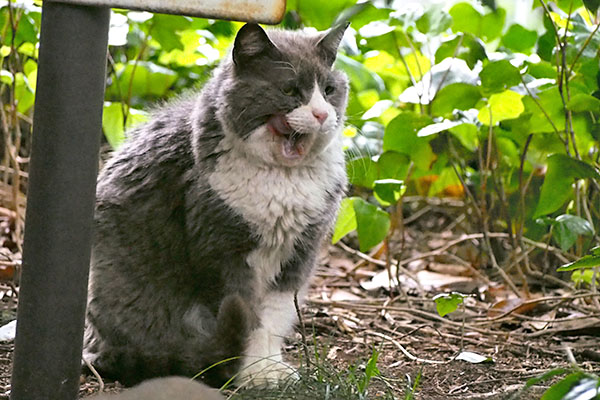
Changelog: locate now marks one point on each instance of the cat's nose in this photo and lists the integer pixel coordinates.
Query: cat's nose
(320, 115)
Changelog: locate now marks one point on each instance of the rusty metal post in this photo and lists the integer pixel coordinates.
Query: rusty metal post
(64, 163)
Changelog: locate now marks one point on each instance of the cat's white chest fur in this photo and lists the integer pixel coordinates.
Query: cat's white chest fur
(278, 203)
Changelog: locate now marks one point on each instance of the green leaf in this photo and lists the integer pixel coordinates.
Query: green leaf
(592, 5)
(112, 124)
(384, 37)
(583, 102)
(572, 386)
(543, 69)
(371, 369)
(320, 14)
(388, 191)
(6, 77)
(362, 172)
(456, 96)
(23, 93)
(465, 19)
(362, 14)
(544, 377)
(30, 69)
(498, 76)
(471, 49)
(146, 78)
(446, 303)
(165, 28)
(581, 276)
(393, 165)
(360, 77)
(492, 24)
(508, 152)
(446, 179)
(569, 5)
(346, 220)
(546, 44)
(434, 21)
(589, 261)
(550, 100)
(466, 135)
(519, 39)
(26, 32)
(568, 227)
(556, 189)
(372, 223)
(401, 136)
(136, 117)
(501, 106)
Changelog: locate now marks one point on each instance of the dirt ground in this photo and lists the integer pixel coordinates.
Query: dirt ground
(354, 306)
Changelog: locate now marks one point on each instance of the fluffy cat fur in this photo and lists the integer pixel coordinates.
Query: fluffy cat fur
(209, 218)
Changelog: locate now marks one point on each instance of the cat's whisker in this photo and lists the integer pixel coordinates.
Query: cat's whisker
(241, 114)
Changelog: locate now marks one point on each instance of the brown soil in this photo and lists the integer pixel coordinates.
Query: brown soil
(548, 325)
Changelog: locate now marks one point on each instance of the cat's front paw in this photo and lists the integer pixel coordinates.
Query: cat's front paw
(266, 372)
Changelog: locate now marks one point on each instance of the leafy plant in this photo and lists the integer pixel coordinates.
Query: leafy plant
(515, 135)
(446, 303)
(574, 385)
(411, 390)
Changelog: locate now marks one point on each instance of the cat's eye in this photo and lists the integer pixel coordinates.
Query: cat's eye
(329, 90)
(290, 90)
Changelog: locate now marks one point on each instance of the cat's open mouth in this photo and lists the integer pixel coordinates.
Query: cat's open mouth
(292, 142)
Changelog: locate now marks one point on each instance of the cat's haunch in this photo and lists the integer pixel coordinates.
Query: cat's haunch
(210, 216)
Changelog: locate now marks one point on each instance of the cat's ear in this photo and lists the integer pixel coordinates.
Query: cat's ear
(329, 43)
(251, 41)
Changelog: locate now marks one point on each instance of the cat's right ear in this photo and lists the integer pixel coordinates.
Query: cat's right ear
(251, 42)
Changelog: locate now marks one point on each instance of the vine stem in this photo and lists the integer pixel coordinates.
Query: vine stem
(135, 64)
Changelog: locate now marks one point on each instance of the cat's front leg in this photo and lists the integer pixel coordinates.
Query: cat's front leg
(262, 363)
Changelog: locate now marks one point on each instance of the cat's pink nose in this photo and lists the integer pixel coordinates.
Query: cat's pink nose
(320, 115)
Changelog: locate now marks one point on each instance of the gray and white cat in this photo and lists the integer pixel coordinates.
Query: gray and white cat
(209, 218)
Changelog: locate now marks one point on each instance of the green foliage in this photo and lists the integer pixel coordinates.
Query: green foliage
(446, 303)
(371, 371)
(372, 224)
(519, 39)
(346, 220)
(411, 391)
(388, 191)
(562, 172)
(444, 101)
(498, 76)
(524, 125)
(576, 385)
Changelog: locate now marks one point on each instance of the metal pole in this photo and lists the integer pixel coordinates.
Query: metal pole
(64, 163)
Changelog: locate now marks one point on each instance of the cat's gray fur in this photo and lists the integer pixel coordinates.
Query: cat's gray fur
(207, 221)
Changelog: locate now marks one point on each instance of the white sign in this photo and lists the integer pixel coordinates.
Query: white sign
(263, 11)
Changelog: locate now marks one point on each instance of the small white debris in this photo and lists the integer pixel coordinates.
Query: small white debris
(8, 331)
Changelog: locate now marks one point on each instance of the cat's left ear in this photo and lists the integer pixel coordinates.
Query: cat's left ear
(251, 42)
(329, 43)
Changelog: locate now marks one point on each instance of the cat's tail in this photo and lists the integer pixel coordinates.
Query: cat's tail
(224, 351)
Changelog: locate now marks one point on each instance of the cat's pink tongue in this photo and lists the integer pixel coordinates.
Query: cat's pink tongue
(291, 146)
(278, 124)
